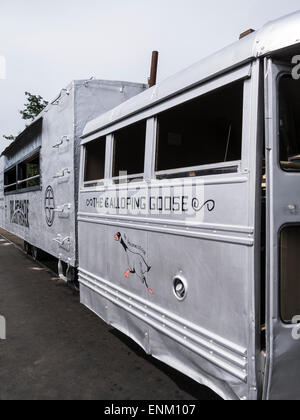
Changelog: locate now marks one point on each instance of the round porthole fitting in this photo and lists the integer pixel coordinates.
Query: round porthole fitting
(180, 288)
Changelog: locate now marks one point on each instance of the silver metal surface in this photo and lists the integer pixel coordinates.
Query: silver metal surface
(59, 165)
(283, 350)
(167, 325)
(210, 335)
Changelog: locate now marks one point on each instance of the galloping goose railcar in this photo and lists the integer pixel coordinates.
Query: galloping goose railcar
(189, 217)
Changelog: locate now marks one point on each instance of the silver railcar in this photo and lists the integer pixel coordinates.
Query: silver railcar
(189, 217)
(40, 170)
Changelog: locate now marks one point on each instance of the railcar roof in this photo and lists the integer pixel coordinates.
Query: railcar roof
(20, 138)
(274, 36)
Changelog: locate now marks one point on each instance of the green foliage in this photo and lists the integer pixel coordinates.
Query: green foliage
(11, 138)
(33, 107)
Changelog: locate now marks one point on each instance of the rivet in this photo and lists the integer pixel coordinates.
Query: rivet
(292, 208)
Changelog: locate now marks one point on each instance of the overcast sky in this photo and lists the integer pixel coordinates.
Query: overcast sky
(47, 44)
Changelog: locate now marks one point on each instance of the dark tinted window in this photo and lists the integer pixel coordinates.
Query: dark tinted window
(95, 160)
(289, 120)
(10, 180)
(129, 150)
(28, 172)
(203, 131)
(290, 273)
(25, 175)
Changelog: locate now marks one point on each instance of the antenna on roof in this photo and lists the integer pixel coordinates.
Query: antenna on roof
(154, 67)
(246, 33)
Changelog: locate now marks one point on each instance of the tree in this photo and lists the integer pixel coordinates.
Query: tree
(34, 106)
(9, 138)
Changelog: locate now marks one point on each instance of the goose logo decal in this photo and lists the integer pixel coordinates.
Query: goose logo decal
(136, 262)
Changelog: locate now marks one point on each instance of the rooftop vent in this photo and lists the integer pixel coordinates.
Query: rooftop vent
(246, 33)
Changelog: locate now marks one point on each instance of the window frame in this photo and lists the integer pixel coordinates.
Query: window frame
(280, 76)
(96, 182)
(140, 177)
(280, 309)
(19, 190)
(149, 114)
(10, 185)
(228, 167)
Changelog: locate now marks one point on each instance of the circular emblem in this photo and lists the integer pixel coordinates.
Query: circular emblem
(49, 206)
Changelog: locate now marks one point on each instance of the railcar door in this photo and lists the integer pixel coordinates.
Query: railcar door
(282, 115)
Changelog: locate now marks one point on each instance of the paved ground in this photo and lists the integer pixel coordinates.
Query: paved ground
(57, 349)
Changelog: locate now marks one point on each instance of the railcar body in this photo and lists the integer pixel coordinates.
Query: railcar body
(41, 170)
(189, 217)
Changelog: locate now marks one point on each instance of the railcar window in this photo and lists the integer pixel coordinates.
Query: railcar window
(204, 131)
(25, 175)
(95, 161)
(290, 273)
(10, 180)
(129, 153)
(289, 110)
(29, 173)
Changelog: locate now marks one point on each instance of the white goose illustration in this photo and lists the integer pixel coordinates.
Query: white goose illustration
(136, 263)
